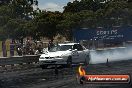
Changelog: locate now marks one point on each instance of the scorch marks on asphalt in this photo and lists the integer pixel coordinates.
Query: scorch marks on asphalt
(46, 78)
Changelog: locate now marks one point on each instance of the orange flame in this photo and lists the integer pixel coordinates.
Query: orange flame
(81, 71)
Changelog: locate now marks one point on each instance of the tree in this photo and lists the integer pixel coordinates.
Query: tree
(75, 20)
(14, 16)
(22, 8)
(77, 6)
(46, 23)
(4, 2)
(16, 28)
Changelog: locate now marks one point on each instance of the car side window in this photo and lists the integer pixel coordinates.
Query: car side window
(78, 47)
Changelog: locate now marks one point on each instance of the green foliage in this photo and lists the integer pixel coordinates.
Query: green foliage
(45, 24)
(18, 19)
(16, 28)
(14, 17)
(90, 14)
(77, 6)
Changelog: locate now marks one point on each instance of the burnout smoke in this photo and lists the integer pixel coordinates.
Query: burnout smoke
(113, 54)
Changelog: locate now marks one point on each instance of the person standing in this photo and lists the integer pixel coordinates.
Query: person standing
(4, 49)
(50, 45)
(40, 49)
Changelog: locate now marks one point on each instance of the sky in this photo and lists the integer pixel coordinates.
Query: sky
(52, 5)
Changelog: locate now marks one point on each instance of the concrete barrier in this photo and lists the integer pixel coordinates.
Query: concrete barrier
(19, 60)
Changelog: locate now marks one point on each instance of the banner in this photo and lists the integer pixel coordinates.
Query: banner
(119, 34)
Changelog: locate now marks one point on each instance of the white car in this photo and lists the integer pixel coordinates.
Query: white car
(65, 54)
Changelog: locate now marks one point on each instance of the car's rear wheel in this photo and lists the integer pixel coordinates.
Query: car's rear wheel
(69, 61)
(43, 66)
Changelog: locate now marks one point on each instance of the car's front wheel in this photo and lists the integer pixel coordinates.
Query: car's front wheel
(87, 60)
(69, 61)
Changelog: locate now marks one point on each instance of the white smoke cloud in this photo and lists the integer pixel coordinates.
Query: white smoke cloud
(114, 54)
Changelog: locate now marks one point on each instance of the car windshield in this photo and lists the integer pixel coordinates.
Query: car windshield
(60, 48)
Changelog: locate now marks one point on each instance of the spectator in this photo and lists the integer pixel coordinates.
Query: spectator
(39, 49)
(31, 51)
(24, 50)
(19, 51)
(50, 45)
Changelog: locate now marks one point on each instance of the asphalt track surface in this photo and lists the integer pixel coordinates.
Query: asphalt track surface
(66, 78)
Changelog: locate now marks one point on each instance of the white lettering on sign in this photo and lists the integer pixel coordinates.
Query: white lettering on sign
(109, 32)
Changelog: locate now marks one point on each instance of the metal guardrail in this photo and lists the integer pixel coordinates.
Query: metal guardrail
(19, 60)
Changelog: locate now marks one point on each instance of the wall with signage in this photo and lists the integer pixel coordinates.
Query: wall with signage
(115, 34)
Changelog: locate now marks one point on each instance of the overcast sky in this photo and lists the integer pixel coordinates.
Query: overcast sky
(52, 5)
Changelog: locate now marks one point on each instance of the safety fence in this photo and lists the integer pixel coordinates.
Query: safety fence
(18, 60)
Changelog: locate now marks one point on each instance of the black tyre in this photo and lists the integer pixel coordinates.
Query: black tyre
(69, 61)
(87, 60)
(82, 80)
(43, 66)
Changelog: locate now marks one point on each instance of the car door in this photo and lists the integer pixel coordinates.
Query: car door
(81, 55)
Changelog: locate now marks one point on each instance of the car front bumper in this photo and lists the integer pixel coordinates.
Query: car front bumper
(52, 61)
